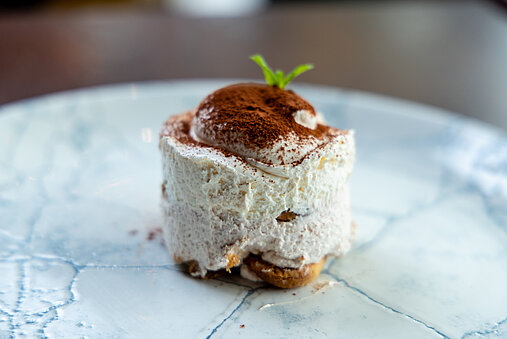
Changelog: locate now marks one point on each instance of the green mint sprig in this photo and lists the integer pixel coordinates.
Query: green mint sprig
(277, 78)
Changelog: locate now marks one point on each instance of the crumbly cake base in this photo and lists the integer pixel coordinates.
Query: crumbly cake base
(283, 277)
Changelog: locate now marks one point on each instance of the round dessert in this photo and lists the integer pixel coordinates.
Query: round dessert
(254, 178)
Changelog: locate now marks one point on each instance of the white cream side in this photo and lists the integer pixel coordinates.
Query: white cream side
(305, 118)
(217, 207)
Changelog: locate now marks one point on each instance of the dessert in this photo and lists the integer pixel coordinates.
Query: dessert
(253, 178)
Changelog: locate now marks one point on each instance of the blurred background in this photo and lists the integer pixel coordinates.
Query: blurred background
(450, 54)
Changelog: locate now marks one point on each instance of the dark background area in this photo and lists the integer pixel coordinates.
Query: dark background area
(450, 54)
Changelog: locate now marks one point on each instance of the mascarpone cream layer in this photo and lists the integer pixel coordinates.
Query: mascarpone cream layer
(220, 207)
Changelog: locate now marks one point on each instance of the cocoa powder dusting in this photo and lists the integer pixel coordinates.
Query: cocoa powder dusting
(154, 233)
(254, 114)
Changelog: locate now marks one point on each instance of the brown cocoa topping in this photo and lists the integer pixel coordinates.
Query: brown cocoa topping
(255, 115)
(251, 115)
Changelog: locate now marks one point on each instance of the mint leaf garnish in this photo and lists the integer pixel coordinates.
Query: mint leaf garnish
(270, 77)
(278, 78)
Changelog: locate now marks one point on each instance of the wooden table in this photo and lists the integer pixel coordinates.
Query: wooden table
(451, 54)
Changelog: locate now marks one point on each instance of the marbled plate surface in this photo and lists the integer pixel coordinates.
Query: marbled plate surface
(81, 254)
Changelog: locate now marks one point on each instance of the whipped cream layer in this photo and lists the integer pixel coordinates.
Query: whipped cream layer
(263, 123)
(221, 206)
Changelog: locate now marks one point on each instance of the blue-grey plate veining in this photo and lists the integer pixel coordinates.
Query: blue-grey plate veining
(81, 253)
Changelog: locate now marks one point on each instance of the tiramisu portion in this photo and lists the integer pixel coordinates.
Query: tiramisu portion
(254, 178)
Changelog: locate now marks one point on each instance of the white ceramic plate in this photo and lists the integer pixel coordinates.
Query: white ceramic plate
(80, 255)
